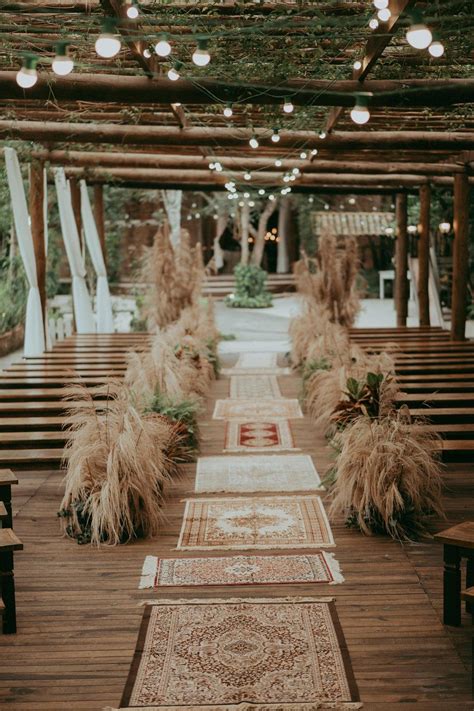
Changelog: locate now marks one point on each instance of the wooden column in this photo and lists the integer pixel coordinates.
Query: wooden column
(37, 230)
(99, 216)
(424, 256)
(401, 261)
(460, 256)
(76, 208)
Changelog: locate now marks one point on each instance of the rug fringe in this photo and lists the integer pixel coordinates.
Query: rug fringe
(335, 568)
(150, 566)
(310, 706)
(235, 600)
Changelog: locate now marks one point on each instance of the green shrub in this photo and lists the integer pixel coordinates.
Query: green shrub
(185, 415)
(13, 295)
(250, 288)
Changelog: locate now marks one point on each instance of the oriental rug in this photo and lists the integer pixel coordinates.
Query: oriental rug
(320, 567)
(271, 436)
(284, 409)
(245, 474)
(195, 654)
(254, 386)
(255, 523)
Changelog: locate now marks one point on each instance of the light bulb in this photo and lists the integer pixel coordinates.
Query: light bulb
(247, 176)
(322, 135)
(360, 114)
(62, 63)
(311, 199)
(314, 152)
(444, 227)
(253, 143)
(218, 167)
(286, 178)
(381, 4)
(357, 65)
(163, 48)
(271, 197)
(26, 77)
(296, 171)
(173, 74)
(146, 53)
(251, 203)
(278, 163)
(275, 135)
(198, 215)
(384, 15)
(303, 155)
(374, 23)
(107, 45)
(241, 203)
(132, 12)
(288, 107)
(201, 56)
(292, 177)
(436, 49)
(228, 111)
(261, 191)
(246, 195)
(419, 36)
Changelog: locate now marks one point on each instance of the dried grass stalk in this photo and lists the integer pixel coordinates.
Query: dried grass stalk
(388, 477)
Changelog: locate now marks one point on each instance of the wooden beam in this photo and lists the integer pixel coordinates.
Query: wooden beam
(460, 257)
(424, 256)
(401, 261)
(158, 90)
(36, 199)
(99, 216)
(76, 206)
(118, 159)
(49, 131)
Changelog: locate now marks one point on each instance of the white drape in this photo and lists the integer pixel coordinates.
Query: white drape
(218, 253)
(104, 315)
(34, 344)
(172, 202)
(80, 295)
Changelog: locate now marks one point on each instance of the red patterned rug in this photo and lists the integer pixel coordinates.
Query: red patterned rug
(271, 436)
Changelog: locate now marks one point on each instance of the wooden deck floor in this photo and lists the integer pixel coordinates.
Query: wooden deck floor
(79, 608)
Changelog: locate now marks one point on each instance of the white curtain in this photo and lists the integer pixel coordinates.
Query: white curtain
(34, 344)
(172, 202)
(218, 253)
(104, 315)
(83, 314)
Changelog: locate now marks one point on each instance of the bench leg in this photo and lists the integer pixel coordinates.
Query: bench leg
(470, 583)
(452, 586)
(6, 497)
(7, 591)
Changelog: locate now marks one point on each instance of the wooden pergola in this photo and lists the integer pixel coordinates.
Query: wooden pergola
(122, 120)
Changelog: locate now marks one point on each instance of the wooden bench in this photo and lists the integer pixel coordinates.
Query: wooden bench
(9, 543)
(458, 543)
(468, 597)
(7, 480)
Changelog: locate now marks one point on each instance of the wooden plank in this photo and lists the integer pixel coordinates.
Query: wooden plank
(460, 257)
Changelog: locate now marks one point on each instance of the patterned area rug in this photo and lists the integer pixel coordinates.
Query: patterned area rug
(319, 567)
(284, 409)
(256, 371)
(192, 654)
(257, 360)
(274, 472)
(254, 386)
(273, 436)
(255, 523)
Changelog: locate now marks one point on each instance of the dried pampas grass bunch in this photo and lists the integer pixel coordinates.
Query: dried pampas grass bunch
(117, 467)
(388, 477)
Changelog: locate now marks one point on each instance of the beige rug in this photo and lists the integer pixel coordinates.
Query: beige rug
(245, 474)
(198, 654)
(255, 523)
(320, 567)
(254, 386)
(256, 371)
(284, 409)
(257, 360)
(272, 436)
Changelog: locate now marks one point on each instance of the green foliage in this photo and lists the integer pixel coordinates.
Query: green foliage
(362, 398)
(312, 366)
(13, 294)
(184, 415)
(251, 290)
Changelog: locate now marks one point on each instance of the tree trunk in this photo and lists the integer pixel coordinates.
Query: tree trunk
(244, 233)
(257, 253)
(283, 235)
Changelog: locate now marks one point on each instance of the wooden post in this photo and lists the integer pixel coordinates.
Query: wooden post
(401, 261)
(424, 256)
(37, 231)
(99, 216)
(460, 257)
(76, 208)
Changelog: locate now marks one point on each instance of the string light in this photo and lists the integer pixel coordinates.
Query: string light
(381, 4)
(146, 53)
(163, 47)
(357, 65)
(251, 203)
(246, 196)
(173, 73)
(261, 191)
(384, 15)
(436, 49)
(201, 56)
(108, 43)
(27, 76)
(253, 143)
(314, 152)
(62, 63)
(374, 23)
(228, 111)
(444, 227)
(303, 155)
(278, 163)
(218, 167)
(418, 35)
(271, 197)
(132, 11)
(322, 135)
(275, 135)
(247, 176)
(288, 107)
(360, 114)
(296, 171)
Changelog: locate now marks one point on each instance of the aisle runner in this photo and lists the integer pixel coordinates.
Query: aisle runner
(256, 364)
(257, 522)
(254, 386)
(192, 654)
(247, 436)
(276, 472)
(320, 567)
(284, 409)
